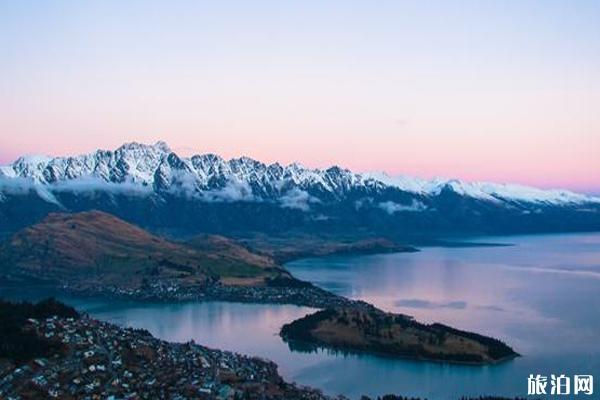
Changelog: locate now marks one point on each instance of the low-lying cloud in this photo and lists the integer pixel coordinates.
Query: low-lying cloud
(366, 201)
(392, 207)
(233, 191)
(86, 185)
(49, 193)
(297, 199)
(181, 184)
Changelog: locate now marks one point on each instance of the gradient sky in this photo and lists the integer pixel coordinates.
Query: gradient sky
(478, 90)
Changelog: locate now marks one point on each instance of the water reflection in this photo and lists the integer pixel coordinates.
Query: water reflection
(513, 293)
(542, 295)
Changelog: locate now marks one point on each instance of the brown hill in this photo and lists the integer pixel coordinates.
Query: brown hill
(229, 249)
(96, 247)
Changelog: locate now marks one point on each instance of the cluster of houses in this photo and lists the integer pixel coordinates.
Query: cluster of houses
(97, 360)
(165, 290)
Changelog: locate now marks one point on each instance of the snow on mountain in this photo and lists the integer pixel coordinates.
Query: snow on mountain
(497, 192)
(211, 178)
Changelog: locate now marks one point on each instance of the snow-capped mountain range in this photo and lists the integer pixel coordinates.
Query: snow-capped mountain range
(209, 176)
(154, 187)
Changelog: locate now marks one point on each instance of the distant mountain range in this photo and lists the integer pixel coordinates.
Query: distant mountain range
(154, 187)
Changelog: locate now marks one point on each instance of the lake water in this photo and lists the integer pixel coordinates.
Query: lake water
(542, 296)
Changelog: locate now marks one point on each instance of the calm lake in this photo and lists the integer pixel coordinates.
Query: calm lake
(541, 295)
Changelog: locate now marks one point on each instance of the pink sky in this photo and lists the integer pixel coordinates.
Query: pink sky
(548, 162)
(493, 91)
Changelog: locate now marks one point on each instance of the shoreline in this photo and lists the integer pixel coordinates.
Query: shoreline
(90, 357)
(310, 297)
(87, 357)
(369, 330)
(290, 291)
(344, 351)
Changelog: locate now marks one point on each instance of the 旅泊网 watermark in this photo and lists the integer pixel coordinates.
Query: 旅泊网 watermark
(560, 385)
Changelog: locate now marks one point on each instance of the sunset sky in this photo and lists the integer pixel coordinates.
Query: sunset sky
(478, 90)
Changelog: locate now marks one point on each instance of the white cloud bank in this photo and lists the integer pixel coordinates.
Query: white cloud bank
(297, 199)
(391, 207)
(233, 191)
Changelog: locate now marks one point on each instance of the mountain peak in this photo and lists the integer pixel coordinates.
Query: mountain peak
(156, 166)
(156, 187)
(159, 147)
(162, 146)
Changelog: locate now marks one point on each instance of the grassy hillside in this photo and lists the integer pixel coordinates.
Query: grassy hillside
(96, 247)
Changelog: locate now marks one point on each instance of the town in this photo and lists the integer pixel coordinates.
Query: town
(301, 293)
(101, 360)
